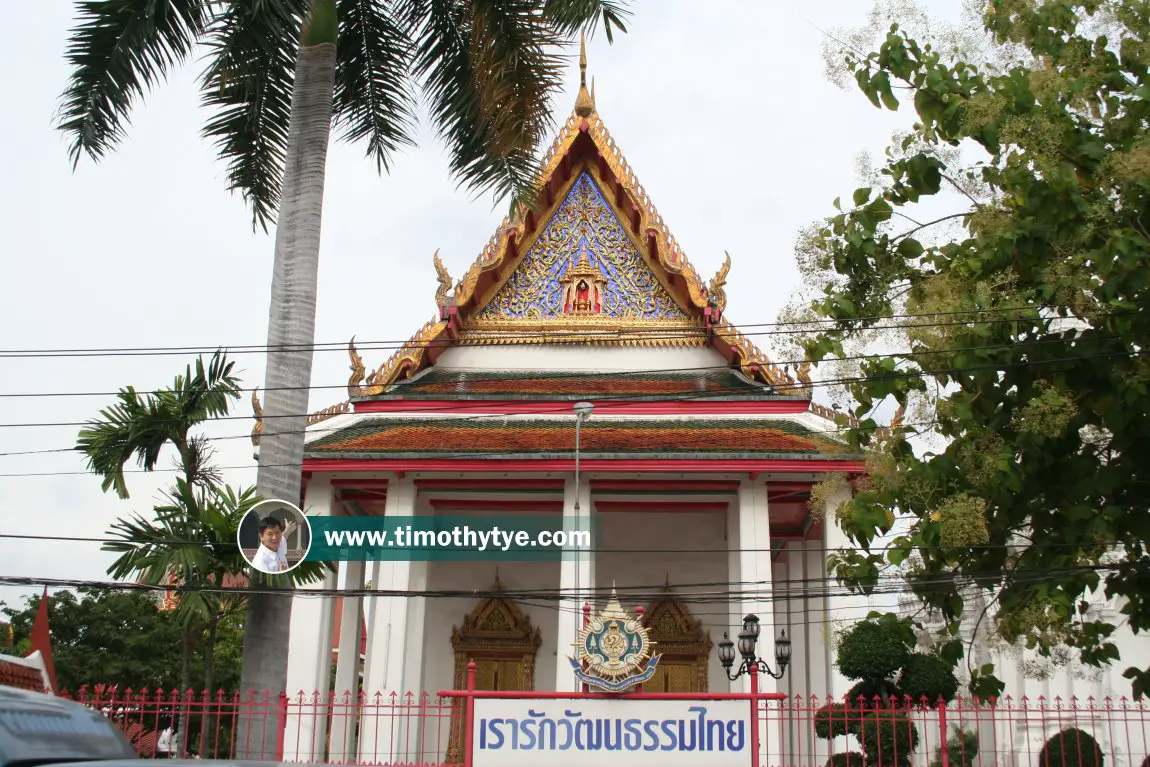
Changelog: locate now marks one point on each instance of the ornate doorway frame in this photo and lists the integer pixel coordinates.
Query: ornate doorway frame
(495, 630)
(679, 638)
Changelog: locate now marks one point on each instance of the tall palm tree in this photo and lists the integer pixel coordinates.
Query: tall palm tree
(279, 73)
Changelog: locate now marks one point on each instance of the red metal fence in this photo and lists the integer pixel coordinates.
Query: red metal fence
(423, 729)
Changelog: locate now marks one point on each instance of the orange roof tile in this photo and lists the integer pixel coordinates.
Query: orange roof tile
(721, 437)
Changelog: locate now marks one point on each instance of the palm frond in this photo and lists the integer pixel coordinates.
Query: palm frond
(119, 49)
(132, 426)
(208, 392)
(374, 97)
(489, 79)
(570, 16)
(249, 85)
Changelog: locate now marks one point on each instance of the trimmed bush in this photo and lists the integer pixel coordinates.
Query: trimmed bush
(869, 651)
(837, 719)
(929, 677)
(889, 739)
(848, 759)
(1071, 748)
(865, 694)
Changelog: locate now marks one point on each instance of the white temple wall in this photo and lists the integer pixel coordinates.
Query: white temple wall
(583, 359)
(636, 555)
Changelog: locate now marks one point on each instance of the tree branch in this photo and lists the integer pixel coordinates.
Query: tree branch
(930, 223)
(956, 185)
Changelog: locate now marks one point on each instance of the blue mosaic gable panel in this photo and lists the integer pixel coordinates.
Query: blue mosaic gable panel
(583, 225)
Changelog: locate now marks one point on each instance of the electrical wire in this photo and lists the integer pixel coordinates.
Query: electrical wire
(714, 393)
(396, 344)
(537, 376)
(176, 542)
(1042, 575)
(565, 407)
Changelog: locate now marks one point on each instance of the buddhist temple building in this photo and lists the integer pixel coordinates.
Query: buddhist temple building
(696, 462)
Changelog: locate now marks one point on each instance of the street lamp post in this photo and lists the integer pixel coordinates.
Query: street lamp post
(583, 411)
(751, 664)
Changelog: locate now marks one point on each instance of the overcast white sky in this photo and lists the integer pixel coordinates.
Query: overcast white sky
(721, 107)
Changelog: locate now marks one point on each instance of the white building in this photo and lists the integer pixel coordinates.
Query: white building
(696, 466)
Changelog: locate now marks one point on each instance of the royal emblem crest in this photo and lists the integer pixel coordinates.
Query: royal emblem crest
(612, 649)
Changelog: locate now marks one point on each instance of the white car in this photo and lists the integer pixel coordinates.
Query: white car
(38, 730)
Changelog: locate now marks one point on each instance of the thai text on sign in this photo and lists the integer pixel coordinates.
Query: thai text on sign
(510, 732)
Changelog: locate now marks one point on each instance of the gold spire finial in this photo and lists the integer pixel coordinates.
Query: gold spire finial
(585, 102)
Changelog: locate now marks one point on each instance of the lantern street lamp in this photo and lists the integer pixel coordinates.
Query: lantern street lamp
(751, 664)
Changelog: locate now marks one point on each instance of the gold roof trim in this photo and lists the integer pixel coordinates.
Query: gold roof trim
(329, 412)
(407, 358)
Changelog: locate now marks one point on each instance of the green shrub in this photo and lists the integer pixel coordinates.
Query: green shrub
(848, 759)
(929, 677)
(871, 652)
(866, 692)
(1071, 748)
(961, 749)
(837, 719)
(889, 739)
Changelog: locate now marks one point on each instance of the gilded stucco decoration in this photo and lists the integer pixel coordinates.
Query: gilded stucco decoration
(534, 305)
(329, 412)
(683, 643)
(716, 287)
(405, 361)
(258, 410)
(583, 229)
(358, 369)
(444, 278)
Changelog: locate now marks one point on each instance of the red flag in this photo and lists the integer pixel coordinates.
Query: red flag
(41, 639)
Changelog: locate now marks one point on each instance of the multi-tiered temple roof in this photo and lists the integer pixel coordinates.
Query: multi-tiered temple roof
(591, 264)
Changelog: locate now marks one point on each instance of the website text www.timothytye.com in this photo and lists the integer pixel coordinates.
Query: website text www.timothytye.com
(459, 538)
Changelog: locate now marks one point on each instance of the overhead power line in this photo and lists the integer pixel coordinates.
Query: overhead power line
(724, 595)
(700, 395)
(652, 334)
(174, 542)
(536, 375)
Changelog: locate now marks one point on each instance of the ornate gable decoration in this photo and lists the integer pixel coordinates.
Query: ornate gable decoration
(671, 626)
(594, 264)
(496, 624)
(582, 266)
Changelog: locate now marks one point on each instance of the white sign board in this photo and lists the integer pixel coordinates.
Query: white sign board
(509, 732)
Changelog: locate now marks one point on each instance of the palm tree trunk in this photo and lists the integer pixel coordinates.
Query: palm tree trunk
(179, 743)
(207, 728)
(291, 333)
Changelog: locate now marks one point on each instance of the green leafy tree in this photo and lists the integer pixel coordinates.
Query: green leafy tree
(880, 654)
(892, 679)
(1025, 325)
(191, 539)
(280, 73)
(105, 637)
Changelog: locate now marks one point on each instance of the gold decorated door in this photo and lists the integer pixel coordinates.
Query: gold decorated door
(501, 641)
(683, 645)
(674, 676)
(499, 674)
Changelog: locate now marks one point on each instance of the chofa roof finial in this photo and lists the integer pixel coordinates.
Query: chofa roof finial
(584, 103)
